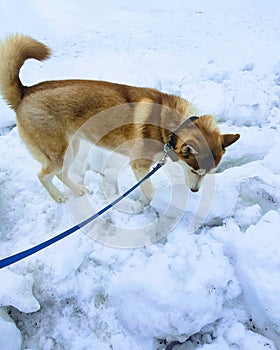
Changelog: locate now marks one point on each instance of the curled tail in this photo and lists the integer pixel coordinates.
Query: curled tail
(13, 52)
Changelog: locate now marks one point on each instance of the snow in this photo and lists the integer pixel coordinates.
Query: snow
(10, 335)
(192, 271)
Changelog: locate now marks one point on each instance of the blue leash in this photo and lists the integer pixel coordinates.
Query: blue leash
(24, 254)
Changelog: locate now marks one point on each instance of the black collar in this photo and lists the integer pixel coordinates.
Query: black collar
(169, 147)
(173, 138)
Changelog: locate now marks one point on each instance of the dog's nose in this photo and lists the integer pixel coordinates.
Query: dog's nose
(194, 189)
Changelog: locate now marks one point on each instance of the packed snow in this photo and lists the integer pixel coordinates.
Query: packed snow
(191, 271)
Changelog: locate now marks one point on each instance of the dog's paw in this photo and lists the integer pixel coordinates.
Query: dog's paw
(80, 190)
(60, 197)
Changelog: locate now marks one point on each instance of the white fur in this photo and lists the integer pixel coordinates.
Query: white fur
(193, 178)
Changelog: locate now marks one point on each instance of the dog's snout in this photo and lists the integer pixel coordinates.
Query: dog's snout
(194, 189)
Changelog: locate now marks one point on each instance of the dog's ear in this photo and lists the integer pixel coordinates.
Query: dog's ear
(188, 149)
(229, 139)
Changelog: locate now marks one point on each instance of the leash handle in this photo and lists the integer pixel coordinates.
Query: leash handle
(24, 254)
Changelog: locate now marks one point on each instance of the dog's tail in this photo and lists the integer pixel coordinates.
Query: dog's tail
(13, 53)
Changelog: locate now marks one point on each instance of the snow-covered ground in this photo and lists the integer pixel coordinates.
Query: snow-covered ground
(215, 287)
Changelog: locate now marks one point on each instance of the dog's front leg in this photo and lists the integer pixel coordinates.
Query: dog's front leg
(141, 168)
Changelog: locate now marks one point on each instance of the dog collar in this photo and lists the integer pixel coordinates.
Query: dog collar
(170, 145)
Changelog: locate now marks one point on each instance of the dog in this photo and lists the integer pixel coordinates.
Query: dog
(143, 120)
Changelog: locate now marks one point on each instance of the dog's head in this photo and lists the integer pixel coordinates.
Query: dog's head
(200, 147)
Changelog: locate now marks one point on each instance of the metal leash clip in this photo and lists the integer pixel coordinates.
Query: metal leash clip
(168, 150)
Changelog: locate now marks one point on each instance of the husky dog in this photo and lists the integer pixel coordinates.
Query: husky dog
(107, 114)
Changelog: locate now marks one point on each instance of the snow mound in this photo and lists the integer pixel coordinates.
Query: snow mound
(18, 291)
(10, 337)
(160, 294)
(261, 283)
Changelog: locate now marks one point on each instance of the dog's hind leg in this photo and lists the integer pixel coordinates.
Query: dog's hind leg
(46, 176)
(50, 155)
(78, 189)
(50, 151)
(71, 153)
